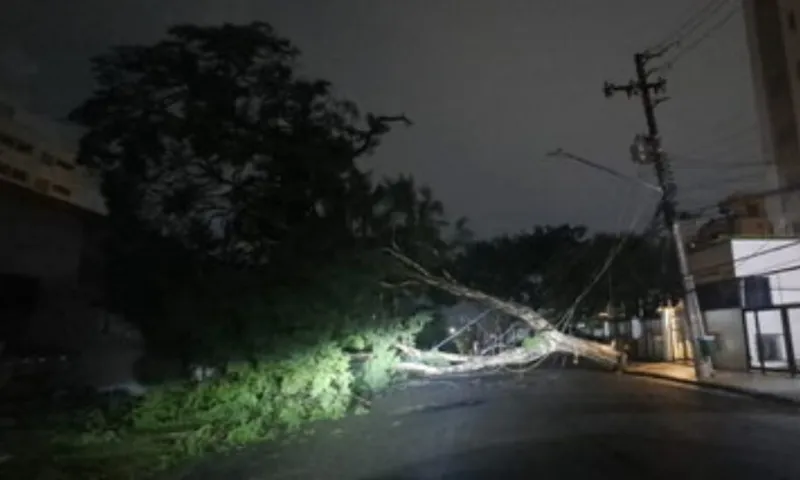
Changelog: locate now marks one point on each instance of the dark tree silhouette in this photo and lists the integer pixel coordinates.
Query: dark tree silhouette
(229, 176)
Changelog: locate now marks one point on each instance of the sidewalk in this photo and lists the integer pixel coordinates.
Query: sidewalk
(772, 386)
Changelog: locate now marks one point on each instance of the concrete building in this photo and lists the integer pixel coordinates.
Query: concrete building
(749, 291)
(773, 34)
(51, 210)
(739, 215)
(34, 162)
(52, 228)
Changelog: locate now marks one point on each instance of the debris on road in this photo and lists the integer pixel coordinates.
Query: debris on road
(546, 340)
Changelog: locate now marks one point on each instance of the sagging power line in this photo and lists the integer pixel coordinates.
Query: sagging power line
(684, 49)
(690, 24)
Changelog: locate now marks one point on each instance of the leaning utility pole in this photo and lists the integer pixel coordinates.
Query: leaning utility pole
(647, 150)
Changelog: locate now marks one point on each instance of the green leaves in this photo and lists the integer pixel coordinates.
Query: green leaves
(378, 371)
(532, 343)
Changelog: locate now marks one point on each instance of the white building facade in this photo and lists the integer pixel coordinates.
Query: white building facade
(749, 291)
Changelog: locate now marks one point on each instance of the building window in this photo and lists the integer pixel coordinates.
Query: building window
(24, 147)
(769, 346)
(41, 185)
(719, 295)
(61, 190)
(757, 292)
(15, 143)
(792, 21)
(48, 159)
(65, 165)
(7, 141)
(19, 175)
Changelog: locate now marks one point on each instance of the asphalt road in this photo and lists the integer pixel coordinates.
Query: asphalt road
(550, 424)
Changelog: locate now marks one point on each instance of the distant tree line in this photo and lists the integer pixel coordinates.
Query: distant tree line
(550, 267)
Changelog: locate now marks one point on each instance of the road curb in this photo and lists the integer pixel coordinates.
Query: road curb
(771, 397)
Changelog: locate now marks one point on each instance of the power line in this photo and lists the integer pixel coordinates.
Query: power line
(615, 251)
(709, 140)
(780, 270)
(742, 160)
(719, 186)
(736, 261)
(776, 271)
(612, 255)
(589, 163)
(762, 194)
(724, 181)
(723, 142)
(694, 21)
(726, 155)
(702, 163)
(692, 46)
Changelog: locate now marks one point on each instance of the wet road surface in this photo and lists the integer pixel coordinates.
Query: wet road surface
(549, 424)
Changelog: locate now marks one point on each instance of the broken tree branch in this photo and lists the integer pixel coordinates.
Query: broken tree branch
(547, 334)
(432, 354)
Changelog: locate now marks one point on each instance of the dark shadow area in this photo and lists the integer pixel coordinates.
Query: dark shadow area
(448, 406)
(604, 457)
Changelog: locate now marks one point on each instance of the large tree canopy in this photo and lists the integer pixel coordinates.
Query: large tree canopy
(210, 136)
(230, 176)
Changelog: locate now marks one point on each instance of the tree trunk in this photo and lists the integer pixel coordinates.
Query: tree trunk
(551, 339)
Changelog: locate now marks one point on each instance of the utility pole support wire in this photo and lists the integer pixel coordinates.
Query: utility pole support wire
(648, 91)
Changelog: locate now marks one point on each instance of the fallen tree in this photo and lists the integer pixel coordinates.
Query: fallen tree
(547, 338)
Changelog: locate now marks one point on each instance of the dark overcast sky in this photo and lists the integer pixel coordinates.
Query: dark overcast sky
(491, 85)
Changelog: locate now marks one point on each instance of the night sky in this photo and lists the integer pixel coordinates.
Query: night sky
(491, 85)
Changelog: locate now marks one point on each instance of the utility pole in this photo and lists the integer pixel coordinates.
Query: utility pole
(647, 150)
